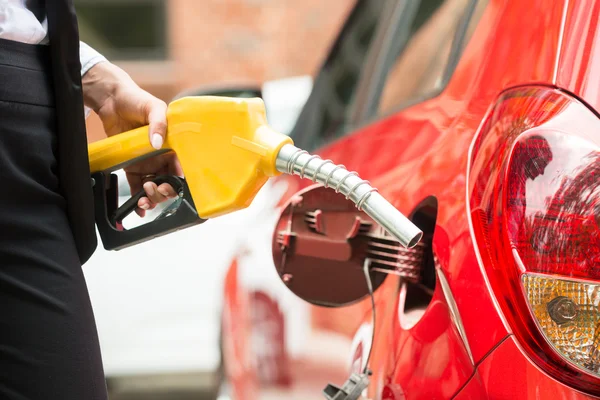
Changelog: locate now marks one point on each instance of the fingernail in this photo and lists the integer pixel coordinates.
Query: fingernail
(144, 206)
(157, 141)
(163, 192)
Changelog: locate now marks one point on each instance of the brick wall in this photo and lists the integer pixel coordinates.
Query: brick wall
(237, 41)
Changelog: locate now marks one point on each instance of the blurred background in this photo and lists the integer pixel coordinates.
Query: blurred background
(160, 305)
(170, 46)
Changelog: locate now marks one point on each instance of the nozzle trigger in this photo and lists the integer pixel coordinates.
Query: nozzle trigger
(109, 216)
(130, 205)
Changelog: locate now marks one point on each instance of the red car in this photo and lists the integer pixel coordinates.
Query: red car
(480, 120)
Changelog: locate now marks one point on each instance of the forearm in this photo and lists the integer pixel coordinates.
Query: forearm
(89, 58)
(101, 82)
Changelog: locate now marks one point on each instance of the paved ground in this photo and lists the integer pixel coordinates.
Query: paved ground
(176, 387)
(164, 396)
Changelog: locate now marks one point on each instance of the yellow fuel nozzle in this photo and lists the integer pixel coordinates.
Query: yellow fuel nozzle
(227, 152)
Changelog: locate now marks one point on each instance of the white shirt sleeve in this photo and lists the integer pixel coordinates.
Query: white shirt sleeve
(89, 57)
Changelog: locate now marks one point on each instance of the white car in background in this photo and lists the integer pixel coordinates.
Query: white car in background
(158, 304)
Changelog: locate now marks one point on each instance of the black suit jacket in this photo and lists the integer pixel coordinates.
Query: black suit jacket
(73, 162)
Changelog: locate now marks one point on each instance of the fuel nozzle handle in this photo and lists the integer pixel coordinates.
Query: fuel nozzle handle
(294, 161)
(228, 152)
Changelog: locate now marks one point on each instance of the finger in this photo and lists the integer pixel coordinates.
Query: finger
(140, 211)
(135, 183)
(167, 191)
(153, 194)
(148, 177)
(144, 204)
(157, 119)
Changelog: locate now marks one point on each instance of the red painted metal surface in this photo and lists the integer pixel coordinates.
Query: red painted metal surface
(423, 151)
(434, 351)
(579, 62)
(507, 374)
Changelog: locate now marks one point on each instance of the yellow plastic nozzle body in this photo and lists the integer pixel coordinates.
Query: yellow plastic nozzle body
(226, 149)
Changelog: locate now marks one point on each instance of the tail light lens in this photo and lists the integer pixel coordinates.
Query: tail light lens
(534, 198)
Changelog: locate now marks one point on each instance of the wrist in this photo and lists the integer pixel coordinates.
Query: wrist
(101, 83)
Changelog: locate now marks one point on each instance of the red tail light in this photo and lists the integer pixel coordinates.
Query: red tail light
(534, 197)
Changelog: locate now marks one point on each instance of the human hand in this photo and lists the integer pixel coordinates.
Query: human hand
(122, 105)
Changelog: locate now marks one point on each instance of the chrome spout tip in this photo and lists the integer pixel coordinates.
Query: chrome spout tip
(415, 240)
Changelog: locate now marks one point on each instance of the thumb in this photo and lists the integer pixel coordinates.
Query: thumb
(157, 118)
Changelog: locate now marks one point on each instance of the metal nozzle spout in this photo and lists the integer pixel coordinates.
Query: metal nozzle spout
(294, 161)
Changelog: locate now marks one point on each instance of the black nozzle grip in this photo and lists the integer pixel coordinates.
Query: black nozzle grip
(109, 216)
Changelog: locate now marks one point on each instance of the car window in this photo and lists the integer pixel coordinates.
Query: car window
(416, 67)
(327, 111)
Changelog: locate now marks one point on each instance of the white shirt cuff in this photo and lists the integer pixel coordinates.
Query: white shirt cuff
(89, 57)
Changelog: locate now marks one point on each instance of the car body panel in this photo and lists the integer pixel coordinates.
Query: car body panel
(435, 135)
(416, 360)
(507, 374)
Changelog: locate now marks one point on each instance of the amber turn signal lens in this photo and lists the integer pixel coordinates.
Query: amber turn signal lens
(568, 313)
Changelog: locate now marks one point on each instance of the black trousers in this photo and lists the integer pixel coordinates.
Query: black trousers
(49, 346)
